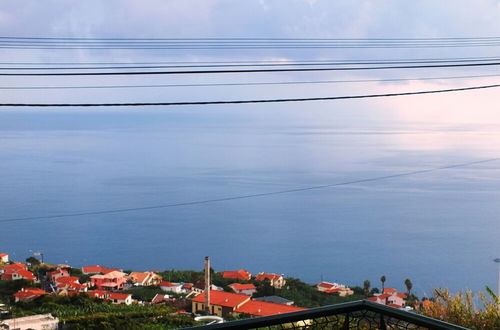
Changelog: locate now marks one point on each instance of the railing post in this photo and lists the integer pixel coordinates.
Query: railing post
(346, 322)
(382, 323)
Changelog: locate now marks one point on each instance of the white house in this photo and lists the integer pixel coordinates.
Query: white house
(36, 322)
(171, 287)
(4, 257)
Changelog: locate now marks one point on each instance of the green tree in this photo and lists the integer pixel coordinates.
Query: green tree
(383, 279)
(409, 286)
(366, 287)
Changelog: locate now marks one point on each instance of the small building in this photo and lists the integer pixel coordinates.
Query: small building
(54, 275)
(393, 299)
(221, 303)
(120, 298)
(4, 257)
(12, 267)
(20, 274)
(171, 287)
(33, 322)
(144, 278)
(112, 281)
(248, 289)
(275, 299)
(28, 294)
(100, 294)
(160, 298)
(276, 281)
(330, 288)
(237, 275)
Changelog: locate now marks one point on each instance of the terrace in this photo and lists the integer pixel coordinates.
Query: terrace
(362, 314)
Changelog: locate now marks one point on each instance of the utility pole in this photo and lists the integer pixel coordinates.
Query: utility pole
(207, 285)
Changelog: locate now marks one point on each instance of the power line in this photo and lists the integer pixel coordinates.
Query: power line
(230, 65)
(425, 66)
(232, 198)
(327, 98)
(245, 84)
(249, 62)
(240, 43)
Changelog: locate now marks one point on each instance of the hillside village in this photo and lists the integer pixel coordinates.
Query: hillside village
(233, 293)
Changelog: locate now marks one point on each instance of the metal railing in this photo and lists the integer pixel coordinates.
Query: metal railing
(362, 314)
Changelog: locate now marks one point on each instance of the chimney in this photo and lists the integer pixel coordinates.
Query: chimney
(207, 285)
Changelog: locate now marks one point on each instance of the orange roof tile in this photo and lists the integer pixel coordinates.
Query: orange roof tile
(238, 274)
(239, 286)
(389, 290)
(262, 308)
(222, 298)
(119, 296)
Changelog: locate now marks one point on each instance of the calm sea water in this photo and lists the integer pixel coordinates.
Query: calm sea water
(438, 229)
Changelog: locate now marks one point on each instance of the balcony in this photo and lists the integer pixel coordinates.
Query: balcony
(362, 314)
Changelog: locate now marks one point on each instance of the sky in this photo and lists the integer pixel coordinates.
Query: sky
(256, 19)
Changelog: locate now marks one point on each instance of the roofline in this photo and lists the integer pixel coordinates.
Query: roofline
(347, 307)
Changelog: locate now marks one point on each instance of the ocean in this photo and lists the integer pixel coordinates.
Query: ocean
(438, 228)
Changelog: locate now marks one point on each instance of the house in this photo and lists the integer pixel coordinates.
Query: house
(88, 270)
(248, 289)
(40, 321)
(221, 303)
(263, 308)
(171, 287)
(237, 275)
(275, 299)
(392, 299)
(20, 274)
(4, 257)
(144, 278)
(340, 289)
(390, 290)
(28, 294)
(11, 267)
(113, 280)
(54, 275)
(160, 298)
(98, 294)
(225, 303)
(276, 281)
(69, 284)
(120, 298)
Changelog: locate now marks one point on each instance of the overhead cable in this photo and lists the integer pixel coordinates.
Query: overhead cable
(247, 196)
(327, 98)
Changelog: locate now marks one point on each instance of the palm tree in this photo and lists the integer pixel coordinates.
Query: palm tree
(409, 285)
(366, 287)
(382, 279)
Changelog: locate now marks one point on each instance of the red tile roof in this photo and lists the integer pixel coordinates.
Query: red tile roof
(325, 285)
(270, 277)
(119, 296)
(187, 286)
(238, 274)
(11, 267)
(29, 294)
(97, 293)
(401, 295)
(239, 286)
(67, 279)
(262, 308)
(22, 272)
(3, 255)
(222, 298)
(390, 290)
(91, 269)
(335, 290)
(384, 296)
